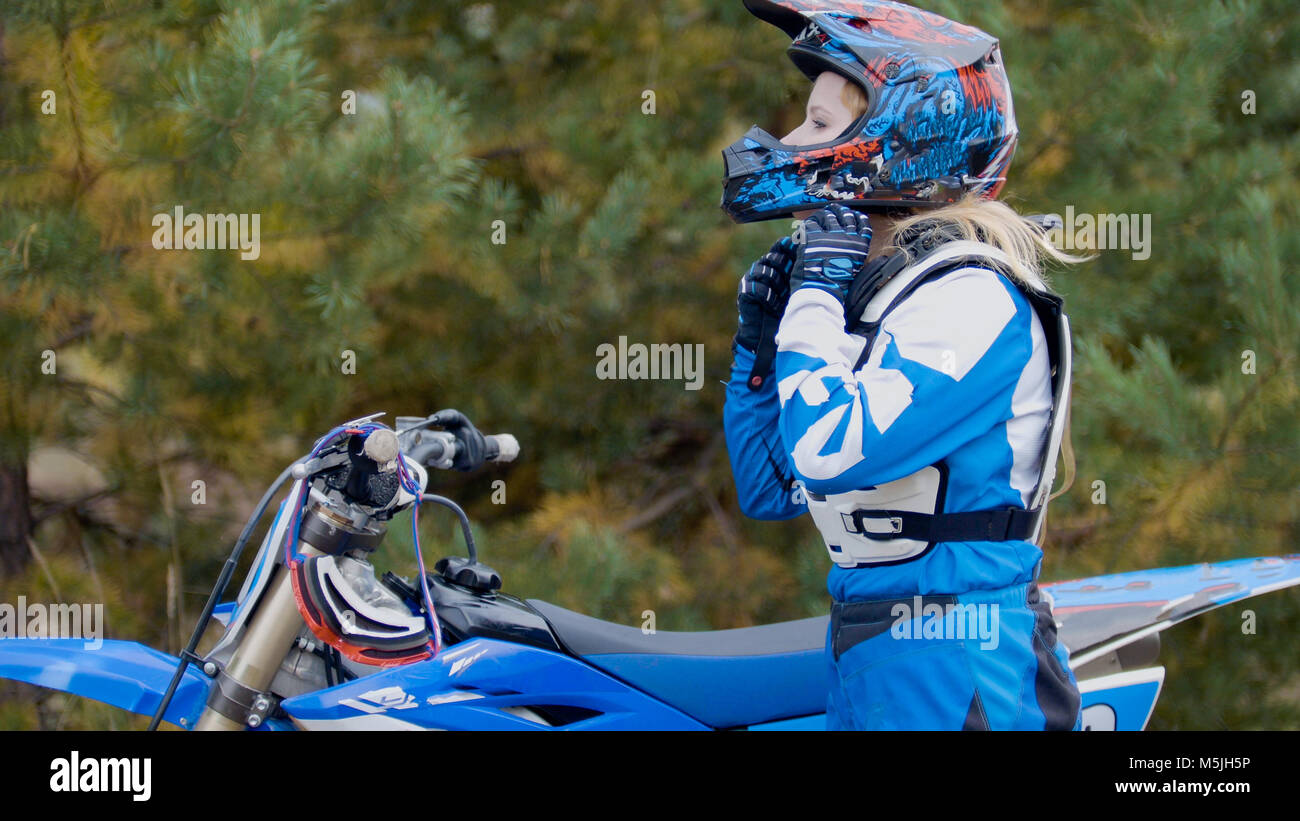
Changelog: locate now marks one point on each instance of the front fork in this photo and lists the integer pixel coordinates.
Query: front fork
(239, 698)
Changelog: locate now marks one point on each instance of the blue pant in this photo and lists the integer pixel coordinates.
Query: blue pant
(973, 661)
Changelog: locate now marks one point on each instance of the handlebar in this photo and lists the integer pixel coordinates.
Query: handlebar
(440, 449)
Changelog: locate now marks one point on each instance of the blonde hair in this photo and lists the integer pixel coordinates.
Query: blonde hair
(977, 219)
(854, 99)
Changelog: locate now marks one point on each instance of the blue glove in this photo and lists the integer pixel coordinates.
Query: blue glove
(836, 243)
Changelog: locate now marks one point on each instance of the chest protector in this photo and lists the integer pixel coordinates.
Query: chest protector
(900, 520)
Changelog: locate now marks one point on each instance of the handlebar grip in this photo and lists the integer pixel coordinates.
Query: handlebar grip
(500, 447)
(439, 452)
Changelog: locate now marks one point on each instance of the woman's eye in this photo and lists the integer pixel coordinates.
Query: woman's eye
(819, 124)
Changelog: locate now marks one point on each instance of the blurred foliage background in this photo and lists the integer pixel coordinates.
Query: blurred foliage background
(376, 234)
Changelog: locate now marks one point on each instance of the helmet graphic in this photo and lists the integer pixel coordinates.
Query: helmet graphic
(938, 123)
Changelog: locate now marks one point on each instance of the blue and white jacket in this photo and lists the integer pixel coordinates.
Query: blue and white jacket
(958, 374)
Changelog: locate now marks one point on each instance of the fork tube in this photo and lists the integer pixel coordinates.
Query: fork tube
(267, 639)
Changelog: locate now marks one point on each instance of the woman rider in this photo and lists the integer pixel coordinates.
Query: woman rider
(897, 369)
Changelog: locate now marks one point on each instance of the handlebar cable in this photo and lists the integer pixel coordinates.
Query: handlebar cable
(464, 522)
(430, 613)
(227, 571)
(423, 423)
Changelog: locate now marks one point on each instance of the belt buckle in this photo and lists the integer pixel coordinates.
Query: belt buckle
(860, 516)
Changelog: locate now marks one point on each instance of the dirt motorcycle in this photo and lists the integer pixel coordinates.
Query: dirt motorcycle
(315, 639)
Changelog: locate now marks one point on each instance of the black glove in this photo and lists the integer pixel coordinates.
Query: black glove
(471, 444)
(836, 243)
(761, 300)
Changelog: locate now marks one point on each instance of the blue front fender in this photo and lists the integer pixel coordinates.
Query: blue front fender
(125, 674)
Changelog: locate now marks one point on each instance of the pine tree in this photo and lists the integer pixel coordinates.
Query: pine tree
(171, 367)
(466, 201)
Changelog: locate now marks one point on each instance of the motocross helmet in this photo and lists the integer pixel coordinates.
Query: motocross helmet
(938, 122)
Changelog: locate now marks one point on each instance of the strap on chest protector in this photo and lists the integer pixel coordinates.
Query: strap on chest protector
(900, 520)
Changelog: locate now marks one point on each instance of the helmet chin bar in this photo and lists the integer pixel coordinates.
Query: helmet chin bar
(767, 179)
